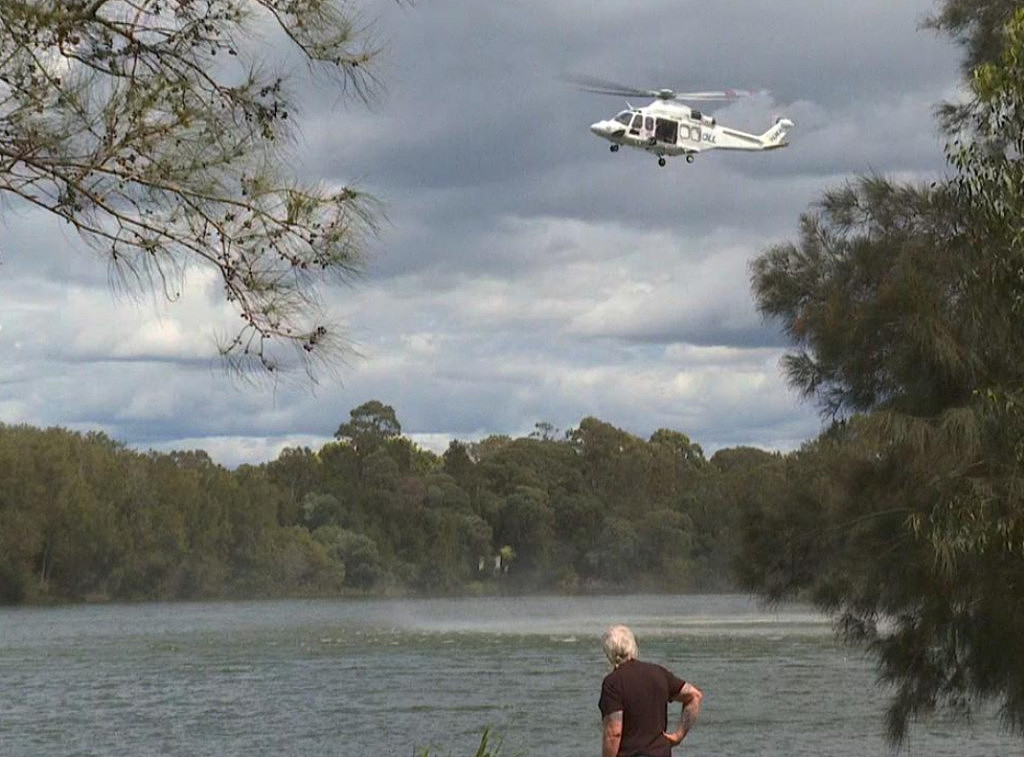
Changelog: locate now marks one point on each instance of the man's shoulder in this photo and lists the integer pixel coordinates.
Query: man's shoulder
(611, 675)
(649, 671)
(633, 668)
(642, 666)
(650, 665)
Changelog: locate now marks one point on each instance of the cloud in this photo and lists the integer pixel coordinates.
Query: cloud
(525, 274)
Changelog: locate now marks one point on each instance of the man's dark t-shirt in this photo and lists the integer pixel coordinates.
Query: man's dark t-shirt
(642, 690)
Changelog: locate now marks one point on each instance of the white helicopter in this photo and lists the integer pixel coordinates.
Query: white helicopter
(667, 127)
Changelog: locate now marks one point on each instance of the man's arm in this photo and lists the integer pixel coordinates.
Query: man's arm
(691, 698)
(612, 734)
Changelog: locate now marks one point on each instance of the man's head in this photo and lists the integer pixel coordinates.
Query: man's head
(619, 645)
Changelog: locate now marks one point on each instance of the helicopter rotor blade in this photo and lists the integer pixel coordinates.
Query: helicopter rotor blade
(607, 87)
(722, 94)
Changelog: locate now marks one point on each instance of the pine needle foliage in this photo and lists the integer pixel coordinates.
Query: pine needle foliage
(905, 304)
(154, 130)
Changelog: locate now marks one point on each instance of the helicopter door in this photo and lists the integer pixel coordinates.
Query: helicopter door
(648, 131)
(666, 130)
(638, 122)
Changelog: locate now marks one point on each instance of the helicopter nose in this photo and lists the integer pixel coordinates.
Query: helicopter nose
(599, 128)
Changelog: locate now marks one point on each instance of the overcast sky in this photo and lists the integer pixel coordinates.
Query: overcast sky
(526, 273)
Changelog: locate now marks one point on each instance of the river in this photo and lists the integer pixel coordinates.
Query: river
(386, 677)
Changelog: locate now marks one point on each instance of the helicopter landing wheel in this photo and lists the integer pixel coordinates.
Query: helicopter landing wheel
(614, 148)
(661, 162)
(689, 158)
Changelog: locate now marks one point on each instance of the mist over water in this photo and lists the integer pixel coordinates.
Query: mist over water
(384, 677)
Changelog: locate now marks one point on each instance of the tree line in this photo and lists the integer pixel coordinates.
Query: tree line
(593, 509)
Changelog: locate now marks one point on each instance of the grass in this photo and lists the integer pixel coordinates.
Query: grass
(490, 746)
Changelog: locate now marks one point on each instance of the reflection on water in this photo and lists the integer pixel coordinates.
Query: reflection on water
(357, 677)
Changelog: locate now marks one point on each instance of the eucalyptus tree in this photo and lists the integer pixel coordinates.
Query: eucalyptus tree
(616, 464)
(977, 25)
(370, 425)
(153, 129)
(906, 305)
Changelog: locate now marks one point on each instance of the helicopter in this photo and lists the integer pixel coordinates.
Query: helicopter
(668, 127)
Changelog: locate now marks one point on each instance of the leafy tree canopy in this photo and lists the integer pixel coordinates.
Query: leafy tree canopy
(370, 425)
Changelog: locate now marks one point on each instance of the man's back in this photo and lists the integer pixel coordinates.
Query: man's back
(641, 691)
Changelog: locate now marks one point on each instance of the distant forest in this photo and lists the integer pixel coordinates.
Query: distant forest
(83, 517)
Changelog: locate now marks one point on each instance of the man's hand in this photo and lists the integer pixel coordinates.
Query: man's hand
(675, 738)
(691, 698)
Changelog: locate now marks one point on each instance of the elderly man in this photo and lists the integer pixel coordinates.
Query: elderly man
(634, 702)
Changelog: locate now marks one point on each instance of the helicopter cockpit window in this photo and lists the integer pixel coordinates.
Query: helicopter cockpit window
(638, 121)
(624, 117)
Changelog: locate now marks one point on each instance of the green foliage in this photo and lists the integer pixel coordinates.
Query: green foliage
(156, 132)
(490, 746)
(525, 524)
(978, 25)
(869, 295)
(906, 519)
(371, 424)
(596, 510)
(357, 554)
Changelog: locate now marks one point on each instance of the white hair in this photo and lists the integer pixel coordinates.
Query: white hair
(619, 645)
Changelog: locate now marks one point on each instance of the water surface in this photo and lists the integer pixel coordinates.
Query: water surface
(387, 677)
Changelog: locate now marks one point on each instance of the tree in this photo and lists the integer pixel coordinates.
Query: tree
(298, 472)
(906, 519)
(151, 128)
(978, 26)
(458, 464)
(298, 563)
(615, 463)
(676, 465)
(357, 554)
(371, 424)
(868, 295)
(525, 523)
(615, 554)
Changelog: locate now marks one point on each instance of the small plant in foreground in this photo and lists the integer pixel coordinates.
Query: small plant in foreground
(490, 746)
